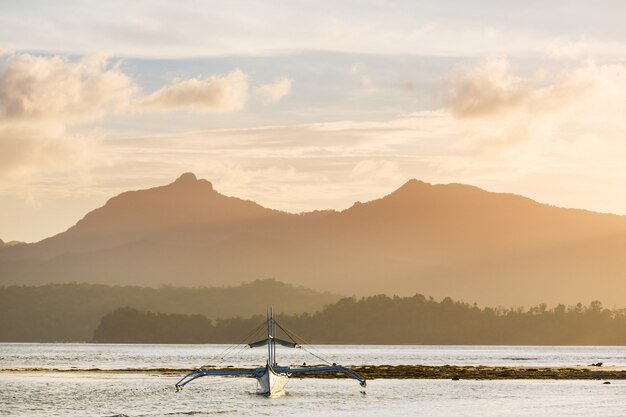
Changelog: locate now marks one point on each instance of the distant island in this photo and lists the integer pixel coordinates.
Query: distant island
(131, 314)
(386, 320)
(71, 312)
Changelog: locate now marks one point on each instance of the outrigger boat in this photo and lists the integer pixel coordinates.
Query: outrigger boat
(272, 377)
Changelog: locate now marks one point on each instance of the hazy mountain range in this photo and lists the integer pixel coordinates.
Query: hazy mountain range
(443, 240)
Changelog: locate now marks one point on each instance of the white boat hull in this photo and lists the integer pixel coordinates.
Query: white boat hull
(272, 383)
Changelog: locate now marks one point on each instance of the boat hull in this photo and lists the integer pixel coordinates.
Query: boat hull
(272, 383)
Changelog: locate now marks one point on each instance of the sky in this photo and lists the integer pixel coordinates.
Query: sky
(307, 105)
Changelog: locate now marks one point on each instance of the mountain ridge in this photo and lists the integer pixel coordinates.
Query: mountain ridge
(441, 239)
(10, 243)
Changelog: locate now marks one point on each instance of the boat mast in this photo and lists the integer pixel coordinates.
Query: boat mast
(269, 335)
(271, 344)
(273, 338)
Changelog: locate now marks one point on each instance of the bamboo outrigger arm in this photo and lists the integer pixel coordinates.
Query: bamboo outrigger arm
(321, 369)
(218, 372)
(258, 372)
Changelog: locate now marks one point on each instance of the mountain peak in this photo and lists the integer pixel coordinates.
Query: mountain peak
(187, 177)
(414, 183)
(190, 179)
(9, 243)
(411, 187)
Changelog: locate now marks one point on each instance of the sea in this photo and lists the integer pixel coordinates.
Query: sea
(34, 381)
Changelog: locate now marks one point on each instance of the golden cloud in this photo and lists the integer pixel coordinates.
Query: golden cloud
(218, 94)
(489, 89)
(41, 96)
(52, 88)
(503, 109)
(274, 92)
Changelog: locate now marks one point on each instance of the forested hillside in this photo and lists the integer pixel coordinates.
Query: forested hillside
(384, 320)
(71, 312)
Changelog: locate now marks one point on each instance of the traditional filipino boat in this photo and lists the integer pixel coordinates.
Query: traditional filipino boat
(272, 377)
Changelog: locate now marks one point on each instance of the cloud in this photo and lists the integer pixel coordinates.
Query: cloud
(492, 90)
(487, 90)
(502, 109)
(41, 97)
(217, 94)
(36, 88)
(274, 92)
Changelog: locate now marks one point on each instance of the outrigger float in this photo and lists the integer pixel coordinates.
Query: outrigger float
(272, 377)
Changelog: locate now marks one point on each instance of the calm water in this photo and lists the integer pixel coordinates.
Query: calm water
(116, 356)
(142, 394)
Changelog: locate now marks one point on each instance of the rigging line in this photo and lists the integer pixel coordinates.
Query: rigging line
(286, 332)
(235, 353)
(291, 335)
(251, 334)
(228, 351)
(242, 346)
(318, 356)
(306, 342)
(242, 349)
(256, 334)
(233, 348)
(225, 352)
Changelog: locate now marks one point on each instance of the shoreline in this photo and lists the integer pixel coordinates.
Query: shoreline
(372, 372)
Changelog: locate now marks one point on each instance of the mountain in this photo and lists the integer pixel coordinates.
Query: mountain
(4, 244)
(451, 239)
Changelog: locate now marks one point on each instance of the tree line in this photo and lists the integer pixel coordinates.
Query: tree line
(71, 312)
(386, 320)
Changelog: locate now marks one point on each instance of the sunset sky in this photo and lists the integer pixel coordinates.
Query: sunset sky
(307, 105)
